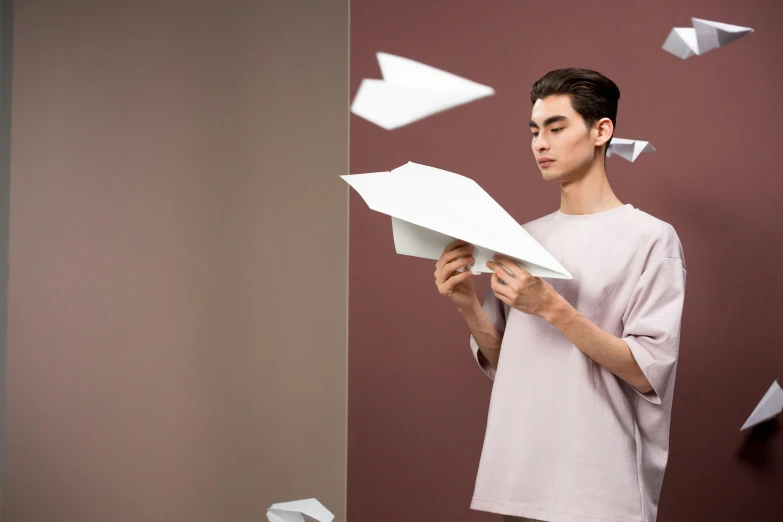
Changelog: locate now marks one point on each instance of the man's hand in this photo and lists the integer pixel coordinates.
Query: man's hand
(457, 286)
(521, 290)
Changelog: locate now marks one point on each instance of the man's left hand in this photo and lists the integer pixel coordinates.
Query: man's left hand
(521, 290)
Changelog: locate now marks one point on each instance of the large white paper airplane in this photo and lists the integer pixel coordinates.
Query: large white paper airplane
(431, 207)
(704, 36)
(411, 91)
(628, 149)
(299, 511)
(771, 405)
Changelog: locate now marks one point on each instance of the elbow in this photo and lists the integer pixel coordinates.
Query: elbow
(642, 385)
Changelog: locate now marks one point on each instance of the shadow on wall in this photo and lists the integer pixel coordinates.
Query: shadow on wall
(757, 450)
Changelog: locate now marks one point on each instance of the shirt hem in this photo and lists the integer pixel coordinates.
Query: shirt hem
(545, 515)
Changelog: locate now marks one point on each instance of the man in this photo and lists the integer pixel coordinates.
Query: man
(583, 369)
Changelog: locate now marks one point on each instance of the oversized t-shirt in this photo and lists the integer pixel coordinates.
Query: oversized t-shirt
(566, 439)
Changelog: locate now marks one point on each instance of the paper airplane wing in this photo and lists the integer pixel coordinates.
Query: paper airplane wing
(621, 147)
(641, 146)
(397, 70)
(711, 35)
(308, 507)
(629, 149)
(681, 42)
(277, 515)
(449, 206)
(771, 405)
(392, 106)
(411, 91)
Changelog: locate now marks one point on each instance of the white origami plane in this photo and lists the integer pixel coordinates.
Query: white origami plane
(771, 404)
(704, 36)
(411, 91)
(431, 207)
(299, 511)
(628, 149)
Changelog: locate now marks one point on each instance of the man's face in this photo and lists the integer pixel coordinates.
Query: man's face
(563, 146)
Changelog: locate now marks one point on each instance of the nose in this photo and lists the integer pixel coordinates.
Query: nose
(540, 144)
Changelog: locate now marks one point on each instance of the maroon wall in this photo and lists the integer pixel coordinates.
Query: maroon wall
(417, 402)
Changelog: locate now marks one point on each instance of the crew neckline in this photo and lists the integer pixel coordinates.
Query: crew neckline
(581, 218)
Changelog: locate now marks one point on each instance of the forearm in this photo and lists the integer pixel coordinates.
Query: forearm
(487, 337)
(602, 347)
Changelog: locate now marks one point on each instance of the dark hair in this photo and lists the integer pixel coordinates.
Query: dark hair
(593, 95)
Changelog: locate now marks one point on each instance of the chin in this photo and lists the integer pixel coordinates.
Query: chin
(550, 175)
(558, 175)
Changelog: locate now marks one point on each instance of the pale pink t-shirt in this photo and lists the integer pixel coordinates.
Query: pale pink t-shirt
(567, 440)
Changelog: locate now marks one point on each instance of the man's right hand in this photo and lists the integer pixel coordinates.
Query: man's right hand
(457, 286)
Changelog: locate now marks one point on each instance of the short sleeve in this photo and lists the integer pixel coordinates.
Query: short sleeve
(497, 312)
(651, 324)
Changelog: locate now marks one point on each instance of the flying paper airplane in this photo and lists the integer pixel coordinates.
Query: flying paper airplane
(771, 405)
(411, 91)
(704, 36)
(431, 207)
(628, 149)
(299, 511)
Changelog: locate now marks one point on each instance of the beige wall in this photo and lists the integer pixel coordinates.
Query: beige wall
(6, 39)
(178, 250)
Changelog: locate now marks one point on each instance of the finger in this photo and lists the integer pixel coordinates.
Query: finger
(500, 290)
(510, 264)
(513, 266)
(451, 255)
(444, 272)
(498, 287)
(451, 252)
(500, 272)
(455, 244)
(448, 287)
(503, 299)
(458, 263)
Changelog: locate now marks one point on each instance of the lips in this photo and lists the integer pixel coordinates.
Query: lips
(545, 162)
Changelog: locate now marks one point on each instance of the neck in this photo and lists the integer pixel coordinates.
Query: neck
(589, 193)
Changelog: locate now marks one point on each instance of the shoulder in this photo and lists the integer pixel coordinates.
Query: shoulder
(657, 236)
(537, 224)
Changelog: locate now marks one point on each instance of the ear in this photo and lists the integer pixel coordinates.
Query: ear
(605, 130)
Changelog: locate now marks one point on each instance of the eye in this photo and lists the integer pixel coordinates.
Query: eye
(557, 129)
(535, 134)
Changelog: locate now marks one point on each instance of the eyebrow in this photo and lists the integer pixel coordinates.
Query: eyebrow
(548, 121)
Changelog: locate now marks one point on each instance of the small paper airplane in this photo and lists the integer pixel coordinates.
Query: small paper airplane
(299, 511)
(704, 36)
(628, 149)
(771, 405)
(411, 91)
(431, 207)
